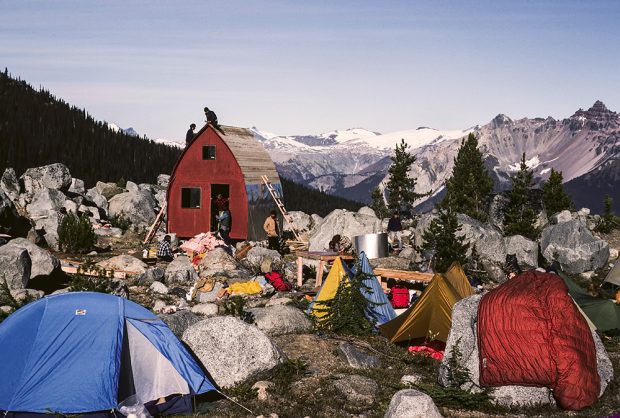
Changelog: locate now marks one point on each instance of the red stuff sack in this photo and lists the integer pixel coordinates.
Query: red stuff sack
(278, 282)
(399, 297)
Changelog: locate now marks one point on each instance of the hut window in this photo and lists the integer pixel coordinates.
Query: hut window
(208, 152)
(190, 197)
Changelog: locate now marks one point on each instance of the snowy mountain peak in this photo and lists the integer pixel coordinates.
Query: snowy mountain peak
(501, 120)
(129, 131)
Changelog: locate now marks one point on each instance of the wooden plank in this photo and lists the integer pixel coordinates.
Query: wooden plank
(403, 274)
(92, 273)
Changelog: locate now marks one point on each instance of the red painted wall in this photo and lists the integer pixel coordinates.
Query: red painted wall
(192, 171)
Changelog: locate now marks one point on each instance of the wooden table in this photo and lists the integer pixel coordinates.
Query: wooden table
(401, 275)
(323, 257)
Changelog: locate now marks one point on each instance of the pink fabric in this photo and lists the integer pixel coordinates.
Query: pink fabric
(201, 243)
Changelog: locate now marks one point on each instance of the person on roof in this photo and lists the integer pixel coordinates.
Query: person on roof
(189, 136)
(395, 230)
(211, 117)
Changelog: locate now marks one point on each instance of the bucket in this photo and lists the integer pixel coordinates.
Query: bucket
(374, 245)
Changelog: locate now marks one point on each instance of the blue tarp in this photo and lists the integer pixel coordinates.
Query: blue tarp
(381, 311)
(62, 353)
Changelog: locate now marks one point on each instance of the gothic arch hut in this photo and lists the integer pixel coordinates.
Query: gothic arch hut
(228, 161)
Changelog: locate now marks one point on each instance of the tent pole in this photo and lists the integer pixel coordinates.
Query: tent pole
(235, 402)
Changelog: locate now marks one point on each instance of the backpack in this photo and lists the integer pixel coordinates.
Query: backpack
(399, 297)
(278, 282)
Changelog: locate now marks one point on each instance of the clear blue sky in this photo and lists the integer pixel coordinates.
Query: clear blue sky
(295, 67)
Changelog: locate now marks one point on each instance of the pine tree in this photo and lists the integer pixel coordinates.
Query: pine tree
(608, 221)
(345, 313)
(378, 203)
(401, 187)
(554, 197)
(469, 188)
(441, 237)
(519, 218)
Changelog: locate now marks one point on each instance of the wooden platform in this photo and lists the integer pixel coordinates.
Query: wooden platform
(406, 275)
(72, 267)
(324, 257)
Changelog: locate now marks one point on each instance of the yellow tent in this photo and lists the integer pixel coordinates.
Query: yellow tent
(328, 289)
(432, 313)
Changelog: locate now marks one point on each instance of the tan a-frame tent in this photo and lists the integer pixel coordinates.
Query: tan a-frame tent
(432, 313)
(613, 276)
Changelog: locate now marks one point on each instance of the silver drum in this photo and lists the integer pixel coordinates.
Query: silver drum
(374, 245)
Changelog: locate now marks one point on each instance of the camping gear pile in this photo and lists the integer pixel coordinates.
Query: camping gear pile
(531, 333)
(198, 246)
(87, 352)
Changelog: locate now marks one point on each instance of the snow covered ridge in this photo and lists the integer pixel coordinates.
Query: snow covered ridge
(132, 132)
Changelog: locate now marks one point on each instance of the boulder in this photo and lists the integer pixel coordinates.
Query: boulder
(365, 210)
(43, 262)
(257, 255)
(109, 232)
(560, 217)
(160, 197)
(181, 270)
(77, 186)
(357, 358)
(231, 349)
(9, 184)
(125, 263)
(53, 176)
(136, 206)
(159, 287)
(153, 274)
(15, 267)
(358, 391)
(278, 300)
(10, 221)
(496, 211)
(46, 201)
(205, 297)
(205, 309)
(573, 246)
(525, 249)
(163, 180)
(132, 187)
(302, 220)
(98, 199)
(281, 319)
(411, 403)
(108, 190)
(23, 295)
(344, 223)
(216, 261)
(463, 332)
(179, 321)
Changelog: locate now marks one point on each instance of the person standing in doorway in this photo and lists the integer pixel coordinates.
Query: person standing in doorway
(272, 229)
(189, 136)
(224, 221)
(395, 230)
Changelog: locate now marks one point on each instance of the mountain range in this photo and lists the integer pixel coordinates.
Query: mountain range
(350, 163)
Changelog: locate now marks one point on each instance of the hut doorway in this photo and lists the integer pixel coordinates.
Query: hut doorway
(220, 193)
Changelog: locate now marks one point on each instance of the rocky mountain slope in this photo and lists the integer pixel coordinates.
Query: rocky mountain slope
(584, 146)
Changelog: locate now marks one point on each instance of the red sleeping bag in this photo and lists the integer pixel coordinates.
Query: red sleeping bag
(530, 333)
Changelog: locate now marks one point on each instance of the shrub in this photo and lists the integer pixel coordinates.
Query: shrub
(76, 235)
(120, 222)
(235, 306)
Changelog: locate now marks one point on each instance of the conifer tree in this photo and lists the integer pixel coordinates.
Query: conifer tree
(401, 187)
(554, 197)
(378, 203)
(345, 313)
(519, 218)
(469, 187)
(608, 221)
(441, 237)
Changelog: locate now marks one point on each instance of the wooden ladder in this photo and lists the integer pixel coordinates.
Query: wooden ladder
(278, 199)
(153, 229)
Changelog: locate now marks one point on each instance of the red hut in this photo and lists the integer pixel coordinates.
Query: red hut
(226, 161)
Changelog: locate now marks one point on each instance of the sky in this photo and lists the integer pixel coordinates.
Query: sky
(307, 67)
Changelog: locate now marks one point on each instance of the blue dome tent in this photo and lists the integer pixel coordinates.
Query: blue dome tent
(79, 353)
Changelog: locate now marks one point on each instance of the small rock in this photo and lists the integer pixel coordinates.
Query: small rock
(6, 309)
(109, 232)
(181, 270)
(411, 403)
(124, 263)
(587, 275)
(169, 309)
(411, 379)
(159, 306)
(357, 390)
(261, 388)
(613, 254)
(356, 358)
(205, 309)
(281, 319)
(205, 297)
(159, 287)
(154, 274)
(163, 180)
(21, 295)
(92, 253)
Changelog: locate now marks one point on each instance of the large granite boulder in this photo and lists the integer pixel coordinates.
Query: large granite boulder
(257, 255)
(44, 210)
(302, 220)
(15, 265)
(10, 221)
(281, 319)
(411, 403)
(136, 206)
(108, 190)
(344, 223)
(124, 263)
(231, 349)
(163, 180)
(216, 262)
(77, 186)
(179, 321)
(53, 176)
(181, 270)
(98, 199)
(572, 245)
(43, 262)
(463, 332)
(9, 184)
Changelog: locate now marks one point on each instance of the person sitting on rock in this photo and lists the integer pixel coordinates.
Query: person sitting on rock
(395, 231)
(511, 266)
(164, 250)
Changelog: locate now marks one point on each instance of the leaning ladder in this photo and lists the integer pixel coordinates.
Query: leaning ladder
(278, 199)
(153, 229)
